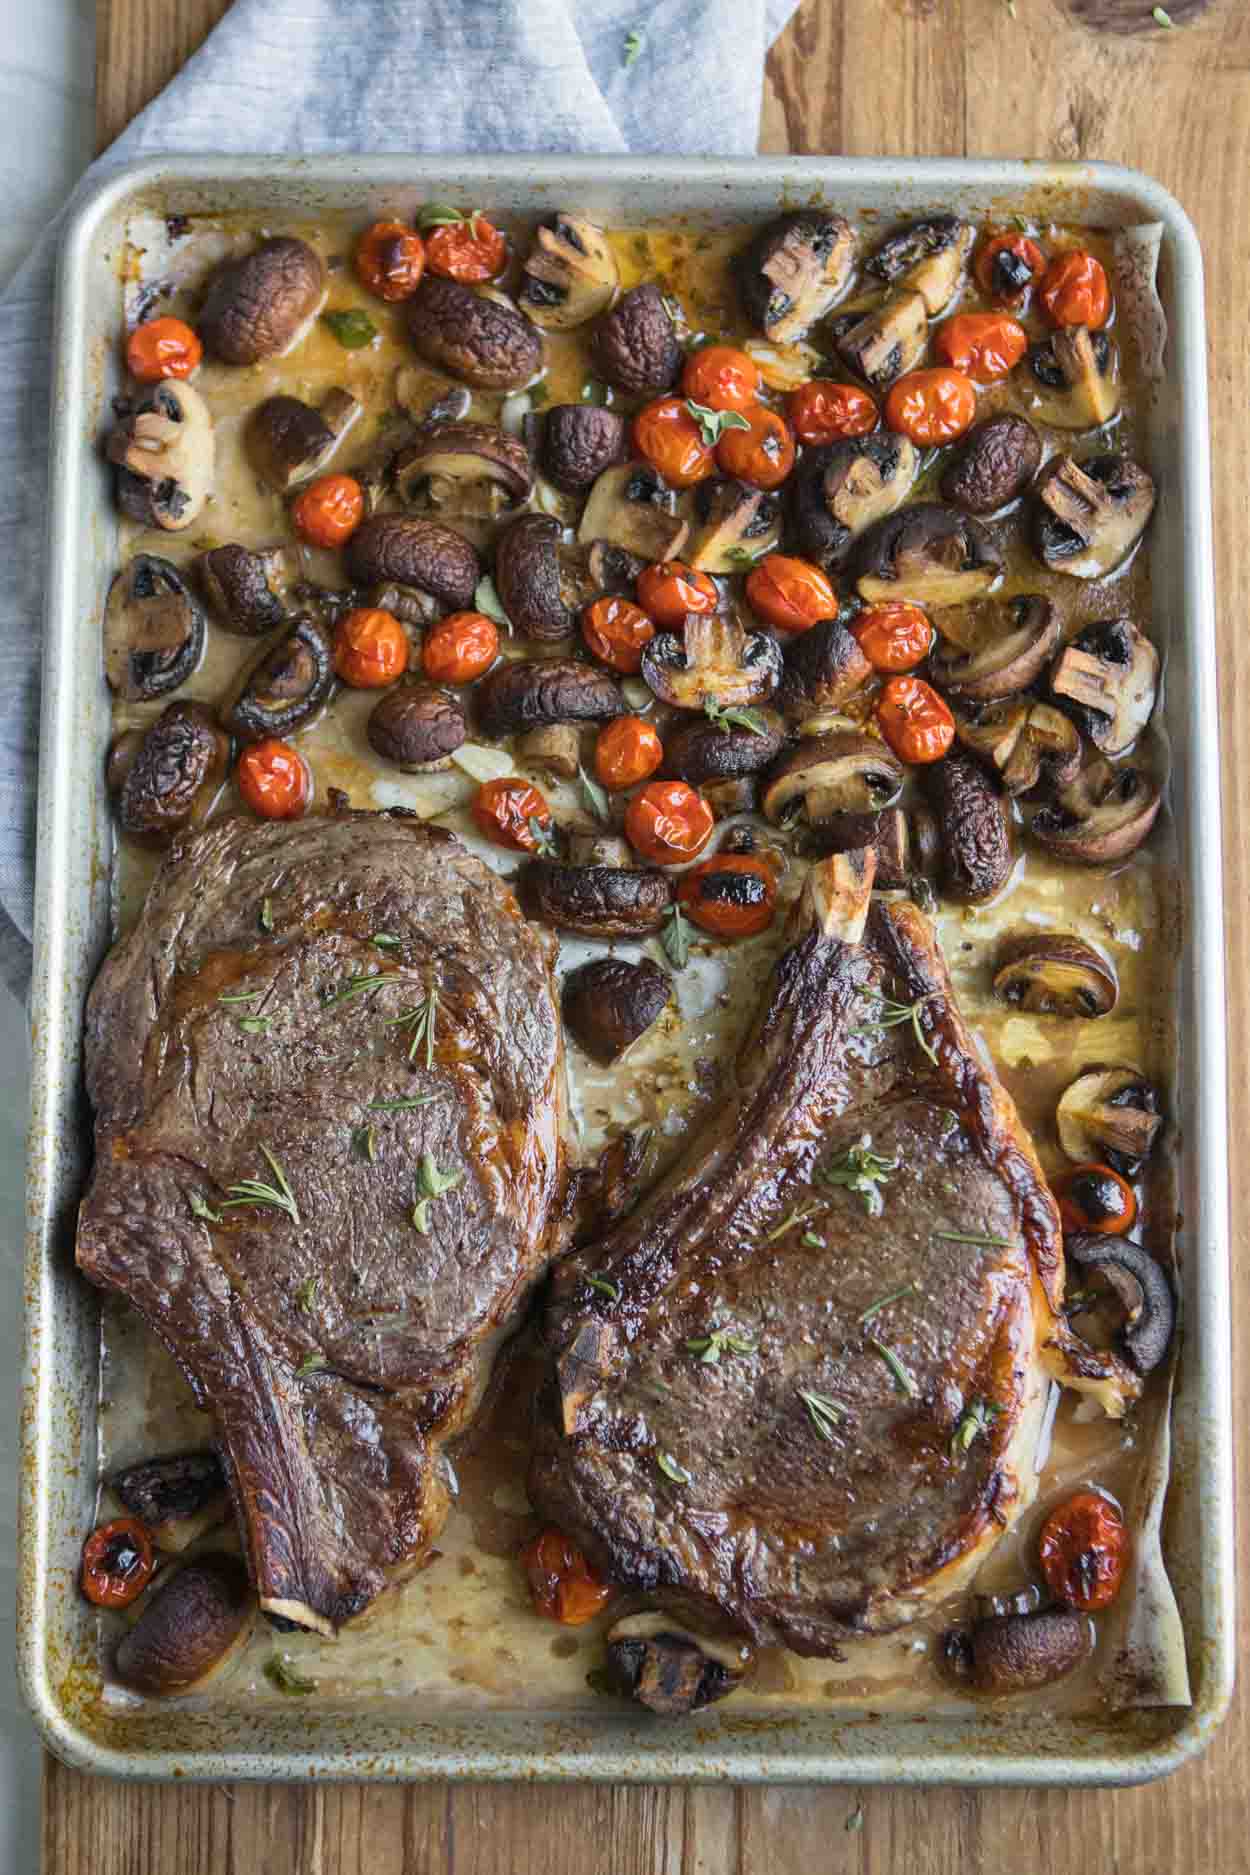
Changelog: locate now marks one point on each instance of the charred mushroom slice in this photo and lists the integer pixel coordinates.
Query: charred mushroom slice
(1140, 1283)
(534, 693)
(609, 1003)
(839, 491)
(927, 256)
(992, 730)
(191, 1626)
(1049, 750)
(993, 465)
(489, 345)
(1055, 974)
(579, 442)
(1109, 1114)
(1018, 1653)
(1088, 517)
(715, 661)
(888, 833)
(669, 1669)
(417, 727)
(530, 579)
(881, 345)
(630, 507)
(418, 553)
(255, 306)
(164, 456)
(839, 773)
(700, 751)
(154, 629)
(1102, 816)
(244, 588)
(287, 683)
(824, 667)
(734, 525)
(794, 270)
(570, 275)
(927, 553)
(1075, 379)
(635, 346)
(170, 776)
(1015, 640)
(289, 441)
(972, 822)
(471, 468)
(596, 901)
(1107, 679)
(179, 1497)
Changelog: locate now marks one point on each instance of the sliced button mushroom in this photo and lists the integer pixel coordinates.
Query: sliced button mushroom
(993, 465)
(570, 275)
(534, 693)
(671, 1670)
(881, 345)
(715, 660)
(167, 777)
(531, 579)
(179, 1497)
(417, 727)
(288, 441)
(635, 346)
(1054, 974)
(489, 345)
(1014, 641)
(794, 271)
(630, 507)
(418, 553)
(1109, 1115)
(734, 525)
(189, 1629)
(609, 1003)
(243, 587)
(700, 751)
(1107, 679)
(1102, 816)
(1088, 517)
(973, 828)
(596, 901)
(579, 442)
(927, 553)
(737, 794)
(164, 455)
(285, 685)
(1018, 1653)
(824, 667)
(927, 256)
(1140, 1284)
(613, 569)
(587, 847)
(890, 835)
(472, 469)
(255, 307)
(839, 491)
(1026, 742)
(1075, 376)
(842, 772)
(154, 629)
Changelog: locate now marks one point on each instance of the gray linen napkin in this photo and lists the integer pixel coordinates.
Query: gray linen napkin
(682, 77)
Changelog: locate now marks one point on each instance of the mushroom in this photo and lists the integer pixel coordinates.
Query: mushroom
(824, 666)
(417, 727)
(928, 553)
(737, 794)
(179, 1497)
(597, 901)
(191, 1626)
(888, 833)
(289, 441)
(842, 772)
(1014, 641)
(154, 629)
(530, 578)
(840, 490)
(630, 507)
(164, 456)
(488, 344)
(635, 346)
(579, 442)
(1018, 1653)
(613, 569)
(699, 750)
(993, 465)
(1101, 816)
(286, 684)
(1054, 974)
(255, 306)
(594, 847)
(418, 553)
(244, 587)
(608, 1003)
(167, 777)
(973, 827)
(1025, 742)
(1075, 379)
(794, 270)
(714, 660)
(881, 345)
(570, 275)
(1088, 517)
(1109, 1114)
(474, 468)
(1140, 1283)
(533, 696)
(928, 256)
(735, 524)
(670, 1669)
(1107, 679)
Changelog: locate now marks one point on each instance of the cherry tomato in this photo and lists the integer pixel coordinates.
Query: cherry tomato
(617, 630)
(823, 411)
(273, 779)
(627, 750)
(720, 377)
(370, 648)
(670, 589)
(513, 813)
(1007, 266)
(118, 1562)
(562, 1582)
(1075, 292)
(668, 436)
(1083, 1550)
(931, 406)
(162, 348)
(763, 453)
(668, 822)
(914, 720)
(1094, 1198)
(791, 594)
(460, 647)
(390, 260)
(329, 510)
(733, 895)
(468, 250)
(985, 346)
(894, 635)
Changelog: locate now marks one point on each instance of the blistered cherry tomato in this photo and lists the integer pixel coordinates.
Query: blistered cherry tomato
(459, 648)
(468, 250)
(1094, 1198)
(791, 594)
(118, 1562)
(617, 631)
(513, 813)
(668, 822)
(1074, 291)
(824, 411)
(914, 720)
(273, 779)
(390, 260)
(894, 635)
(763, 453)
(985, 346)
(732, 896)
(1007, 266)
(1083, 1550)
(627, 750)
(562, 1583)
(669, 589)
(932, 406)
(162, 348)
(329, 510)
(370, 648)
(668, 436)
(720, 377)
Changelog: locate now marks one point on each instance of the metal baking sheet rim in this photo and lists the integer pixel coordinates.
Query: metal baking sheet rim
(60, 1382)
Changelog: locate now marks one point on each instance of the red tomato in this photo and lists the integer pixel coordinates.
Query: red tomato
(513, 813)
(370, 648)
(162, 348)
(733, 895)
(984, 346)
(894, 635)
(562, 1583)
(668, 822)
(617, 631)
(791, 594)
(1007, 266)
(468, 250)
(763, 453)
(1094, 1198)
(390, 260)
(273, 779)
(1075, 292)
(823, 411)
(931, 406)
(721, 378)
(914, 720)
(668, 436)
(329, 510)
(118, 1562)
(669, 590)
(459, 648)
(1083, 1550)
(627, 750)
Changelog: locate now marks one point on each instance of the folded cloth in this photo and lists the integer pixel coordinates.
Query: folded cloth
(683, 77)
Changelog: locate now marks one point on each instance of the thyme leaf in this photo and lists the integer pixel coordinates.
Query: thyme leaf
(743, 556)
(306, 1294)
(383, 941)
(243, 996)
(279, 1671)
(363, 984)
(278, 1196)
(902, 1379)
(432, 1183)
(266, 914)
(671, 1468)
(812, 1241)
(709, 1348)
(311, 1364)
(977, 1418)
(895, 1295)
(635, 40)
(486, 599)
(892, 1014)
(365, 1141)
(200, 1209)
(352, 328)
(543, 837)
(791, 1219)
(734, 717)
(1162, 17)
(675, 937)
(254, 1025)
(595, 796)
(605, 1287)
(420, 1018)
(861, 1170)
(823, 1412)
(713, 423)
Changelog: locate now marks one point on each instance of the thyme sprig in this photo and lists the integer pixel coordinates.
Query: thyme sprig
(975, 1420)
(893, 1014)
(709, 1348)
(861, 1170)
(278, 1196)
(241, 996)
(431, 1184)
(400, 1106)
(792, 1218)
(734, 717)
(823, 1412)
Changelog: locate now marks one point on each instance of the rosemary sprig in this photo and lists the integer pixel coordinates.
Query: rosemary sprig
(266, 914)
(791, 1219)
(895, 1295)
(892, 1014)
(977, 1237)
(862, 1170)
(734, 717)
(431, 1184)
(595, 796)
(671, 1468)
(709, 1348)
(365, 1141)
(278, 1196)
(363, 984)
(400, 1106)
(312, 1364)
(200, 1209)
(605, 1287)
(280, 1673)
(383, 941)
(902, 1379)
(977, 1418)
(420, 1018)
(823, 1412)
(254, 1025)
(675, 937)
(244, 996)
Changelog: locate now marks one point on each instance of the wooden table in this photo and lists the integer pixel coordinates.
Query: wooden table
(863, 77)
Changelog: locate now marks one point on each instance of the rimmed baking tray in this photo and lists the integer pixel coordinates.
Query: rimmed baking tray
(396, 1739)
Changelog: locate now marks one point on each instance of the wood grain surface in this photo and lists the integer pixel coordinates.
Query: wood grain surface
(861, 77)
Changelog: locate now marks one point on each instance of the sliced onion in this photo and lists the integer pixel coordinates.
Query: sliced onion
(785, 367)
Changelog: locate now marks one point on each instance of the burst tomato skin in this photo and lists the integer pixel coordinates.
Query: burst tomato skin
(562, 1583)
(1083, 1551)
(763, 453)
(824, 411)
(390, 259)
(669, 589)
(1094, 1198)
(459, 648)
(720, 377)
(470, 251)
(503, 810)
(328, 512)
(370, 648)
(1075, 292)
(162, 348)
(931, 407)
(668, 822)
(670, 439)
(733, 895)
(273, 779)
(791, 594)
(118, 1562)
(894, 635)
(617, 631)
(1007, 266)
(914, 720)
(627, 750)
(984, 346)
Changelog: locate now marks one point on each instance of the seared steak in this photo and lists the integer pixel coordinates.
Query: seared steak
(797, 1393)
(341, 1335)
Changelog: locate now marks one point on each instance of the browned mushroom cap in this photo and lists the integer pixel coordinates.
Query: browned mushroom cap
(635, 346)
(839, 491)
(579, 442)
(609, 1003)
(824, 666)
(928, 553)
(927, 256)
(973, 827)
(192, 1625)
(993, 465)
(417, 727)
(700, 750)
(1018, 1653)
(255, 306)
(530, 578)
(1102, 816)
(288, 441)
(154, 629)
(1110, 1115)
(1140, 1284)
(1075, 377)
(715, 660)
(471, 467)
(630, 507)
(794, 270)
(993, 648)
(570, 275)
(1088, 517)
(493, 347)
(164, 456)
(178, 1497)
(1054, 974)
(413, 551)
(735, 524)
(531, 693)
(286, 684)
(244, 588)
(842, 772)
(881, 345)
(654, 1659)
(597, 901)
(170, 776)
(1107, 679)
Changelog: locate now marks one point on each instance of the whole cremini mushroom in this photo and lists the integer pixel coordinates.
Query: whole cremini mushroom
(609, 1002)
(285, 684)
(415, 552)
(289, 441)
(545, 701)
(794, 270)
(973, 828)
(256, 305)
(596, 901)
(164, 456)
(463, 469)
(166, 777)
(823, 668)
(416, 727)
(487, 344)
(993, 464)
(190, 1628)
(154, 629)
(579, 442)
(700, 750)
(530, 578)
(635, 346)
(570, 274)
(839, 491)
(244, 587)
(1018, 1653)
